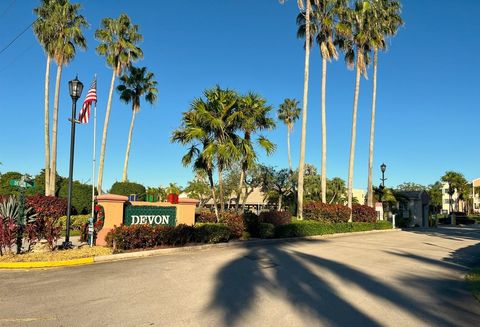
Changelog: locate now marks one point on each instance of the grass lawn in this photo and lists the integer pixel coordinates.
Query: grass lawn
(473, 279)
(59, 255)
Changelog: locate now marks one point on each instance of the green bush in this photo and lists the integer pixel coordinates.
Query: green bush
(212, 233)
(251, 223)
(128, 188)
(275, 217)
(311, 228)
(266, 230)
(81, 196)
(76, 222)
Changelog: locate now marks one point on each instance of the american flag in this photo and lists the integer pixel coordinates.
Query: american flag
(87, 103)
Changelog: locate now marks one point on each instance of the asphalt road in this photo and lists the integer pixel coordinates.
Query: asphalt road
(407, 278)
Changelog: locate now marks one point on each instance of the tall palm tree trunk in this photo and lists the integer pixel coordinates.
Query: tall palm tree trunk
(372, 130)
(53, 166)
(354, 136)
(220, 187)
(129, 143)
(47, 127)
(104, 136)
(304, 113)
(288, 149)
(214, 197)
(324, 132)
(239, 192)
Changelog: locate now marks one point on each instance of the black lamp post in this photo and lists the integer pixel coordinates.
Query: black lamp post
(75, 87)
(383, 167)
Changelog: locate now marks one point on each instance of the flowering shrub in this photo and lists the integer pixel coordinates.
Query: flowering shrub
(323, 212)
(234, 222)
(276, 218)
(362, 213)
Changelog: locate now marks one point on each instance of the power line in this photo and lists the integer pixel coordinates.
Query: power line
(16, 37)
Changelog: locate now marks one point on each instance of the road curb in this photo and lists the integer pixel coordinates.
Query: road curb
(167, 251)
(46, 264)
(233, 244)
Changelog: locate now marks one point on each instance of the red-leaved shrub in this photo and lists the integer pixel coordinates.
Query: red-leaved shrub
(47, 206)
(234, 222)
(48, 210)
(205, 216)
(329, 213)
(275, 218)
(364, 214)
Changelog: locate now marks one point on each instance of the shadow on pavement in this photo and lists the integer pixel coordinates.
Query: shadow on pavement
(451, 233)
(294, 276)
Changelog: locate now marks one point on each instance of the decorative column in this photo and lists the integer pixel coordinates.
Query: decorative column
(113, 206)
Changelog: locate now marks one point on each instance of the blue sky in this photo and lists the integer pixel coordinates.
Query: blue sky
(427, 119)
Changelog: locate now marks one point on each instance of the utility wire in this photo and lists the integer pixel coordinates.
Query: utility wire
(16, 37)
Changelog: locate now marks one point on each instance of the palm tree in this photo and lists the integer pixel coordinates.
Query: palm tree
(209, 129)
(288, 113)
(118, 44)
(44, 32)
(136, 84)
(385, 22)
(323, 25)
(67, 36)
(253, 117)
(355, 41)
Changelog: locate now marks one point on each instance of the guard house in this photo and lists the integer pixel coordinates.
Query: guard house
(414, 205)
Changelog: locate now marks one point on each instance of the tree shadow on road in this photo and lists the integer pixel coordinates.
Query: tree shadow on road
(450, 233)
(299, 279)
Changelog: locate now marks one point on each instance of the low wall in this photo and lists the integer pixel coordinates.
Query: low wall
(114, 206)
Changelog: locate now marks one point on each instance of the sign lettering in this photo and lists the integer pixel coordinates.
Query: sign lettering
(150, 215)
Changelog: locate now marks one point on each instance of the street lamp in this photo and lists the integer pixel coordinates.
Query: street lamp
(383, 167)
(75, 87)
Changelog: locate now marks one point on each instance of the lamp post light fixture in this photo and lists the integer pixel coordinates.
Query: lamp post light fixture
(383, 167)
(75, 87)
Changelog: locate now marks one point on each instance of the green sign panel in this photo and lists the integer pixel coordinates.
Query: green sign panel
(150, 215)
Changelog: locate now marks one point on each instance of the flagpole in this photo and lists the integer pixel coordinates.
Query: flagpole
(93, 165)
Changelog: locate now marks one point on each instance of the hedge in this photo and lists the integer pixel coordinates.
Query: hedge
(363, 213)
(312, 228)
(327, 213)
(145, 236)
(234, 222)
(275, 218)
(76, 222)
(128, 188)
